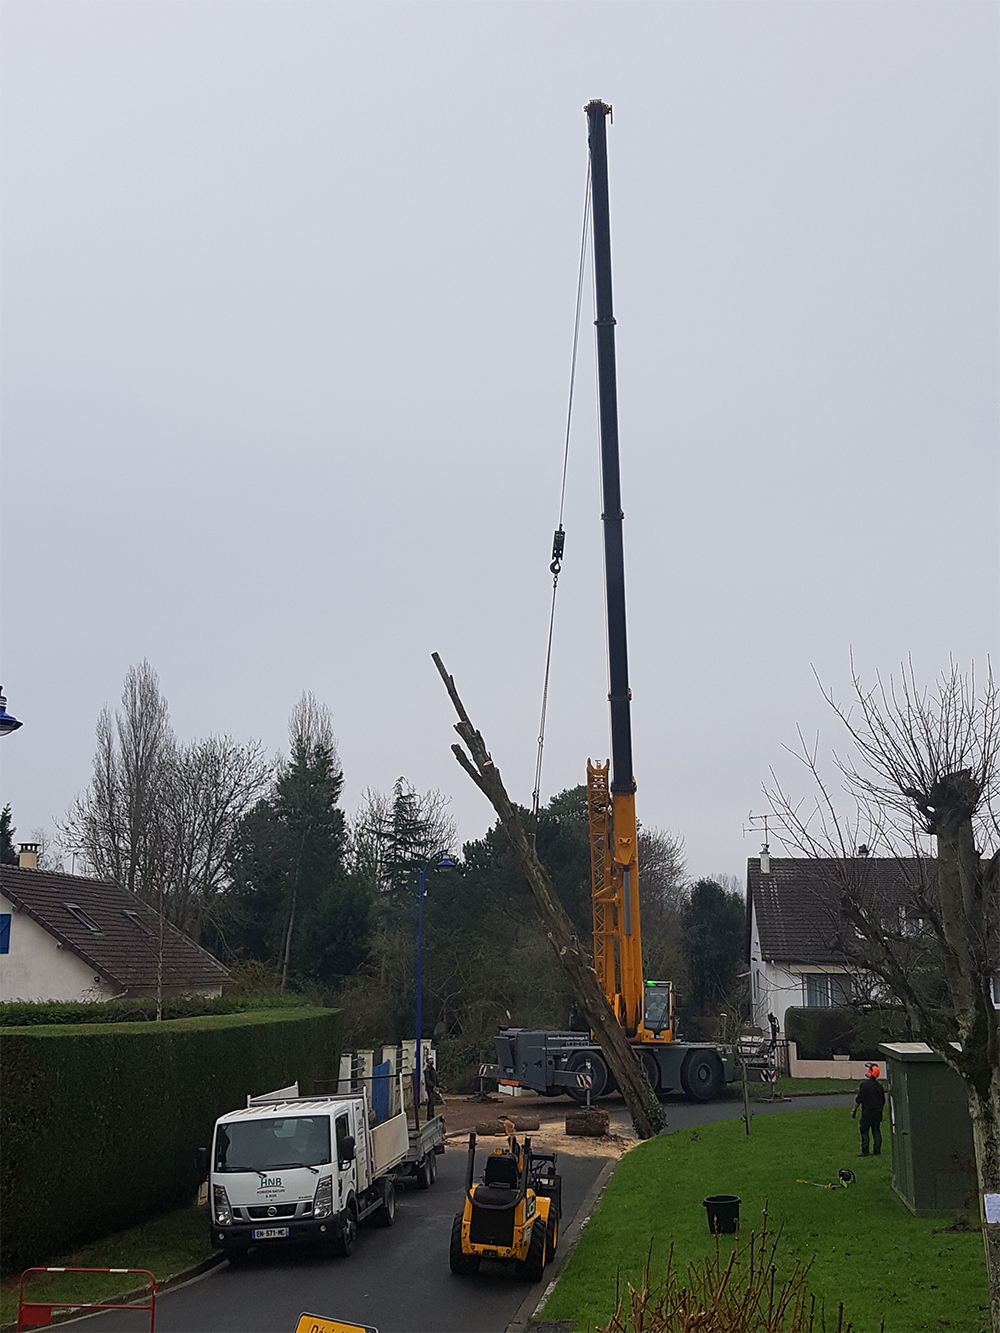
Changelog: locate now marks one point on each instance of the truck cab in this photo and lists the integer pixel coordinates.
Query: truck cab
(302, 1169)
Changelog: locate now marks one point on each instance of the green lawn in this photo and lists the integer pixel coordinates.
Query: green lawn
(869, 1251)
(166, 1245)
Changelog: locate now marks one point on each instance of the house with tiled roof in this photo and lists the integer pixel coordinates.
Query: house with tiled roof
(795, 927)
(65, 937)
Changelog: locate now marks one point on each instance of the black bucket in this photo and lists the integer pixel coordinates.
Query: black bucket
(723, 1214)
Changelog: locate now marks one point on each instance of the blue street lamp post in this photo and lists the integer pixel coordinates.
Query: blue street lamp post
(440, 861)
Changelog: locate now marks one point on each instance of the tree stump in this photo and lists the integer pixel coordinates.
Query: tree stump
(588, 1124)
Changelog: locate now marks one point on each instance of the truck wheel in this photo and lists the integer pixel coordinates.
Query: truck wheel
(426, 1172)
(552, 1239)
(385, 1214)
(553, 1092)
(598, 1072)
(701, 1075)
(458, 1260)
(343, 1242)
(533, 1264)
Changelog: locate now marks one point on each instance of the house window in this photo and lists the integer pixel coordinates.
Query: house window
(4, 932)
(822, 991)
(136, 921)
(83, 918)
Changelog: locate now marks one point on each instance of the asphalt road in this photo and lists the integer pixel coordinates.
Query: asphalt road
(398, 1280)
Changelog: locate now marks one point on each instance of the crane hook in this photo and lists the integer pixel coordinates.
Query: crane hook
(558, 542)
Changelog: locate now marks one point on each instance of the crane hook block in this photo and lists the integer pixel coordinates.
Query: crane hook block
(558, 542)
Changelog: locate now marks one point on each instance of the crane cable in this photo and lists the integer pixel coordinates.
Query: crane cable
(559, 536)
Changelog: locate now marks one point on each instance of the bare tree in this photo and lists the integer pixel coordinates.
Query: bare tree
(662, 894)
(115, 824)
(647, 1113)
(158, 816)
(209, 786)
(925, 766)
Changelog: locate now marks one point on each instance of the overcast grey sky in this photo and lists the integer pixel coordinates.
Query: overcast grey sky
(288, 297)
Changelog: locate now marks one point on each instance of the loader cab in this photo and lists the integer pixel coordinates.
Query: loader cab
(658, 1011)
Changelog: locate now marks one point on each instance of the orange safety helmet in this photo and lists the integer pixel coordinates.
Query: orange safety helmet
(873, 1071)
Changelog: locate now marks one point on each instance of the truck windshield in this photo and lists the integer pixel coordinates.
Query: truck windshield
(657, 1007)
(267, 1145)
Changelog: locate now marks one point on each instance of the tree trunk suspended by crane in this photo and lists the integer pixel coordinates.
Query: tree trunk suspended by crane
(647, 1114)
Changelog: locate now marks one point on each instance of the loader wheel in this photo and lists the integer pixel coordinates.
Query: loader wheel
(552, 1238)
(533, 1264)
(701, 1075)
(458, 1260)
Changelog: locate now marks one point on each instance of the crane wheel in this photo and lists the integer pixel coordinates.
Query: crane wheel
(599, 1073)
(552, 1239)
(701, 1075)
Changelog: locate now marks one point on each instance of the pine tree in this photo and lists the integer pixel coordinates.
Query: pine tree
(8, 853)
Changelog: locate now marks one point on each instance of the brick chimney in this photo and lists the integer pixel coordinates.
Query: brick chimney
(28, 855)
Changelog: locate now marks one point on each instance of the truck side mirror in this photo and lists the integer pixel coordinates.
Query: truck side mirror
(346, 1150)
(201, 1161)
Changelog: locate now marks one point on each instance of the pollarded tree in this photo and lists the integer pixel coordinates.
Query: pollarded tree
(924, 780)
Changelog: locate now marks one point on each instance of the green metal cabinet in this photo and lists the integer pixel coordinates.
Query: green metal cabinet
(933, 1159)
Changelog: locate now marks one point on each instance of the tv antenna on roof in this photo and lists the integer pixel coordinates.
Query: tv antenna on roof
(753, 825)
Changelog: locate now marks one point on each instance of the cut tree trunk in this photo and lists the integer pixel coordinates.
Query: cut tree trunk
(592, 1123)
(646, 1112)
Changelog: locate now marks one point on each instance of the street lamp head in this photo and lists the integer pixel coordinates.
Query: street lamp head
(445, 863)
(8, 722)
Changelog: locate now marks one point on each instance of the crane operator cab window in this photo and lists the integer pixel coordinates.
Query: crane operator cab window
(657, 1005)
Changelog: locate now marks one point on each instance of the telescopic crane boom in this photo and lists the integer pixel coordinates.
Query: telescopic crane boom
(617, 938)
(572, 1061)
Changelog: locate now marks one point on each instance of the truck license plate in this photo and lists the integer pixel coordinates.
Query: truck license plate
(269, 1233)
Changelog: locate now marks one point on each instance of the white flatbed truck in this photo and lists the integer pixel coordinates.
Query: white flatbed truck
(311, 1169)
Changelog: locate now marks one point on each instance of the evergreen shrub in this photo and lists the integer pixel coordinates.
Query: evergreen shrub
(28, 1013)
(101, 1123)
(820, 1034)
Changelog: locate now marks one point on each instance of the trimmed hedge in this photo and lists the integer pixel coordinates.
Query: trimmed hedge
(26, 1013)
(821, 1034)
(100, 1123)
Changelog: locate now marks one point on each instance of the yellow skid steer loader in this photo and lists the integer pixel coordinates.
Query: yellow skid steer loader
(512, 1213)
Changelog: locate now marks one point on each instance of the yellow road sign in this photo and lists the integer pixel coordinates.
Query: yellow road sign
(315, 1323)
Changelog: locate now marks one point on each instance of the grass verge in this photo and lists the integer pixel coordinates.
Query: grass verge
(165, 1245)
(869, 1252)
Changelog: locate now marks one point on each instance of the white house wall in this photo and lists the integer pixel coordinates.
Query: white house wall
(37, 967)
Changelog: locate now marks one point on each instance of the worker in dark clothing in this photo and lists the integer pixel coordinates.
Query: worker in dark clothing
(871, 1099)
(430, 1085)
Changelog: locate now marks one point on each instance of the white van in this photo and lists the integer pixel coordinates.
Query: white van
(302, 1169)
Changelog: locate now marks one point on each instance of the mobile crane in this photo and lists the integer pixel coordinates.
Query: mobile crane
(554, 1062)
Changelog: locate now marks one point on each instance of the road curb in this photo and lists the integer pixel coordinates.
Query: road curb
(533, 1304)
(173, 1280)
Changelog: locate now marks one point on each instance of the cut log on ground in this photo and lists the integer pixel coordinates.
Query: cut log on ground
(588, 1123)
